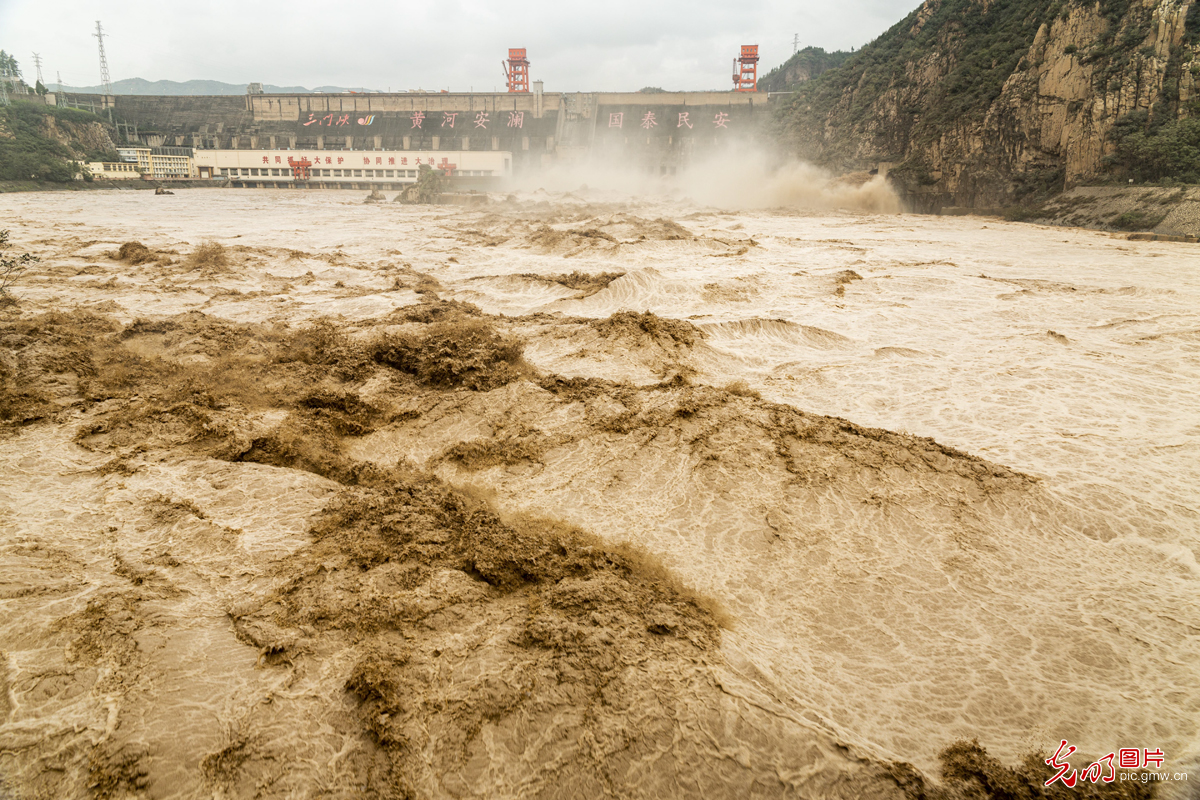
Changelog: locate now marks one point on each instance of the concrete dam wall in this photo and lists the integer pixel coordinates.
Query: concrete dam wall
(648, 131)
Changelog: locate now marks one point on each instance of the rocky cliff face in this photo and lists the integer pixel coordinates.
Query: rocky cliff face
(81, 138)
(981, 102)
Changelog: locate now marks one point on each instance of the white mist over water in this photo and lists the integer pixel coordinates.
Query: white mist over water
(899, 617)
(740, 175)
(746, 178)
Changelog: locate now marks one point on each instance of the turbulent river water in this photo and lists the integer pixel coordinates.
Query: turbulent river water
(895, 616)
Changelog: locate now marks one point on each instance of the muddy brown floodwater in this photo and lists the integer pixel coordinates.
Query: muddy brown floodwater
(575, 495)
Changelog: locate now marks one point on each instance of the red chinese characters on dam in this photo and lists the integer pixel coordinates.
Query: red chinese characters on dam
(334, 120)
(649, 120)
(514, 119)
(391, 161)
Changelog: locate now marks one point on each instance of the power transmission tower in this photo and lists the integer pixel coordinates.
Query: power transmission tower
(59, 96)
(4, 84)
(796, 44)
(37, 60)
(105, 81)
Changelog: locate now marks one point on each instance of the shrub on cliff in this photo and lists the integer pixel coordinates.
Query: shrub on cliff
(1147, 151)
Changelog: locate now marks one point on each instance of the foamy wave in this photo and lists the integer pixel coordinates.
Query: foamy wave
(510, 294)
(638, 290)
(776, 331)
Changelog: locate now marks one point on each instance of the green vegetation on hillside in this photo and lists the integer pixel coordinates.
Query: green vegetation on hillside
(28, 153)
(917, 95)
(812, 61)
(1164, 143)
(1113, 54)
(984, 42)
(1153, 150)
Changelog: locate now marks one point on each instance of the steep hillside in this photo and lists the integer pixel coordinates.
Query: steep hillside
(804, 65)
(45, 143)
(986, 102)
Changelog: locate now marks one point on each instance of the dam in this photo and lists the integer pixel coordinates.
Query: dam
(651, 132)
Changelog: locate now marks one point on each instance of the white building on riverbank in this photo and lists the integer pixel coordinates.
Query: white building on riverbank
(158, 165)
(349, 169)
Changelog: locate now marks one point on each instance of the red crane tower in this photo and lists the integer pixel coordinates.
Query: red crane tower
(745, 70)
(516, 71)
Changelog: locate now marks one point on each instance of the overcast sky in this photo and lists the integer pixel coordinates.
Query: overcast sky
(603, 45)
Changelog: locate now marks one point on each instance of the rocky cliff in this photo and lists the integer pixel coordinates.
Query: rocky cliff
(84, 138)
(39, 142)
(986, 102)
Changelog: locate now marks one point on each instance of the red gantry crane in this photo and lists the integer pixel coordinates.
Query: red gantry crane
(300, 169)
(745, 70)
(516, 71)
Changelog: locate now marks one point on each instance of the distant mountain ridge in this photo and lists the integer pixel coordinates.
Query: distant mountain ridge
(143, 86)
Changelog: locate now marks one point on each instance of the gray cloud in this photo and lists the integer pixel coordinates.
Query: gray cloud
(610, 46)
